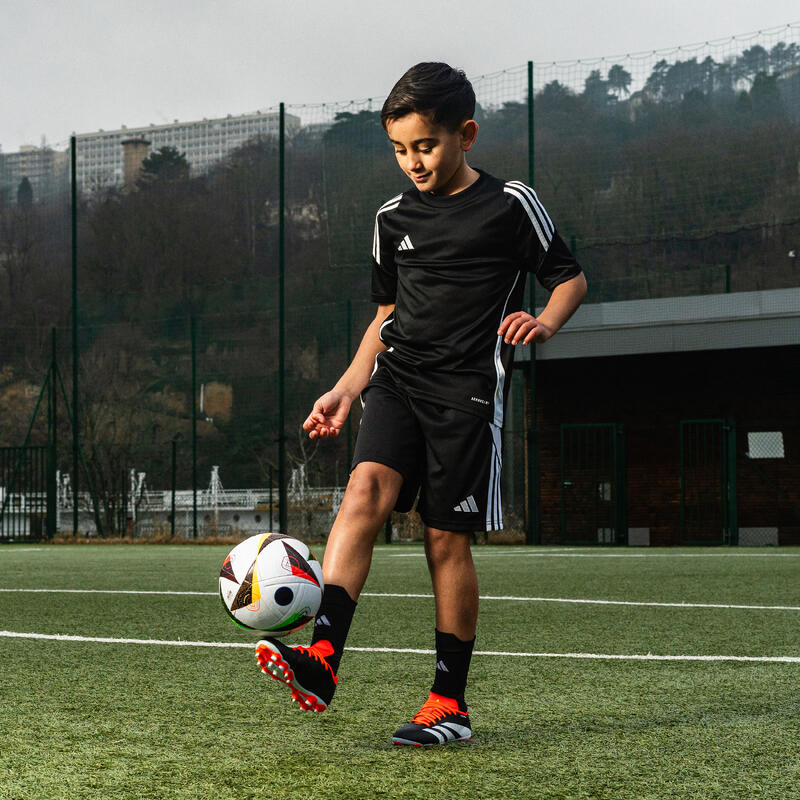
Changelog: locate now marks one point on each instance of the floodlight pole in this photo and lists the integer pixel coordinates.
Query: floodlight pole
(282, 494)
(75, 409)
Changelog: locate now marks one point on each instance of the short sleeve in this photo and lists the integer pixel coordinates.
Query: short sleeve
(540, 248)
(558, 265)
(384, 269)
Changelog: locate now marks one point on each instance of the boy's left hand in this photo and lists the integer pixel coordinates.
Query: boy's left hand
(521, 327)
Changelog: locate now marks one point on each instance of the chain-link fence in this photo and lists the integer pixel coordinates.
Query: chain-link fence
(214, 304)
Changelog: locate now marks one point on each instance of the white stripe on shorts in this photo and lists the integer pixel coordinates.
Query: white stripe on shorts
(494, 510)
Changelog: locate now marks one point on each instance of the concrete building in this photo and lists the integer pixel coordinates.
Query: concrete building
(100, 156)
(46, 169)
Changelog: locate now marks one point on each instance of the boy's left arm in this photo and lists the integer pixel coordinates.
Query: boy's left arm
(521, 327)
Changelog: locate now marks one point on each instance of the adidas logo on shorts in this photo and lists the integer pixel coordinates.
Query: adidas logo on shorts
(467, 505)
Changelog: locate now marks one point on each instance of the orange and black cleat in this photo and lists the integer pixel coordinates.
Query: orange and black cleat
(439, 721)
(303, 669)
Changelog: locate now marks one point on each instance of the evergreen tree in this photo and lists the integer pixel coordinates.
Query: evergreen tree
(619, 79)
(167, 163)
(25, 193)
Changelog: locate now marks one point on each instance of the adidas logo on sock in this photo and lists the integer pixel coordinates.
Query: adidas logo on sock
(323, 620)
(406, 244)
(467, 505)
(440, 665)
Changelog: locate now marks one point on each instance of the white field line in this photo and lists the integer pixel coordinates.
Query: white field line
(599, 602)
(565, 554)
(412, 595)
(391, 550)
(496, 653)
(111, 591)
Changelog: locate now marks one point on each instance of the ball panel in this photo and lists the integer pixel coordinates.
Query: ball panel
(227, 570)
(253, 575)
(294, 623)
(232, 615)
(298, 565)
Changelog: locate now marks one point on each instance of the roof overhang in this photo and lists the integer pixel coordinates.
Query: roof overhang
(677, 325)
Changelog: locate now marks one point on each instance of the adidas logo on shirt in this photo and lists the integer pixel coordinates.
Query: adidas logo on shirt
(406, 244)
(467, 505)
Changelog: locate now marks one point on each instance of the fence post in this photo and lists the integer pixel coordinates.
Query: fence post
(620, 484)
(533, 532)
(52, 440)
(732, 510)
(174, 481)
(282, 493)
(75, 408)
(271, 523)
(193, 332)
(348, 356)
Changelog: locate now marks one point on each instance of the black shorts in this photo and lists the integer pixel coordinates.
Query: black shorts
(451, 458)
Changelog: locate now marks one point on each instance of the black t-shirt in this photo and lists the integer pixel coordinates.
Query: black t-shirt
(455, 267)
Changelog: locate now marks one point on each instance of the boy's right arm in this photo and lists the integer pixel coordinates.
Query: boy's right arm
(330, 411)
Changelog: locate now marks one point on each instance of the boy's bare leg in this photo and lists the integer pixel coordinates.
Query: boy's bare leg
(455, 583)
(368, 500)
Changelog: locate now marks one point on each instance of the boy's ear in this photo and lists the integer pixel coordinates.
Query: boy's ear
(469, 132)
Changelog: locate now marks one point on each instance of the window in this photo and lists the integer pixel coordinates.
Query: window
(765, 444)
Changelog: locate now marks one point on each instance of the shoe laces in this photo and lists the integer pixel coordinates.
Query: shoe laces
(319, 651)
(435, 708)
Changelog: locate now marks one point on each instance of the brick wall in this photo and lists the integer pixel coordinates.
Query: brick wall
(758, 388)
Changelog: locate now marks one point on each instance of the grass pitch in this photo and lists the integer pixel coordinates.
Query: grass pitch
(560, 719)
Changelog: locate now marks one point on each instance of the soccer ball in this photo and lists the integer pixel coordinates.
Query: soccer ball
(272, 583)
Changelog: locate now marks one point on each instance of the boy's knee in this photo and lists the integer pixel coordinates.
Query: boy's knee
(374, 486)
(442, 546)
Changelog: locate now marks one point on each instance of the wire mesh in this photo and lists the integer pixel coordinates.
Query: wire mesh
(670, 173)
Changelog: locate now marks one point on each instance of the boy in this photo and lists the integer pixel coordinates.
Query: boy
(449, 263)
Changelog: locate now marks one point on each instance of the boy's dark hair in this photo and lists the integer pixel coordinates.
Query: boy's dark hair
(433, 88)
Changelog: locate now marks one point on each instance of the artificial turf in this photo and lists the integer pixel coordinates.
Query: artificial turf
(112, 720)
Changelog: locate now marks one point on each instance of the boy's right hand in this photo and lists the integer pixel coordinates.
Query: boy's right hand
(328, 415)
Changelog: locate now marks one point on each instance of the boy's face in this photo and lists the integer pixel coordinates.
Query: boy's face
(432, 156)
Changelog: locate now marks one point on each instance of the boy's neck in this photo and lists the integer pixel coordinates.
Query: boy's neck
(462, 178)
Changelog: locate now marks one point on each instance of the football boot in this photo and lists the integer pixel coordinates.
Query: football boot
(439, 721)
(303, 669)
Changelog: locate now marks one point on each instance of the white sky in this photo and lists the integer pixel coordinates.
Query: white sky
(75, 66)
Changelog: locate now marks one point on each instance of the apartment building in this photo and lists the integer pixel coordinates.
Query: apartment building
(46, 169)
(100, 160)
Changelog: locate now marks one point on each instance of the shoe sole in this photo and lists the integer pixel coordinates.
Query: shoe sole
(410, 743)
(272, 663)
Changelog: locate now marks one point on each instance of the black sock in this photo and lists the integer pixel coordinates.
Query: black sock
(452, 665)
(333, 621)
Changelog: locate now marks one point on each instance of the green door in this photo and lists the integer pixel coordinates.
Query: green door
(708, 482)
(594, 498)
